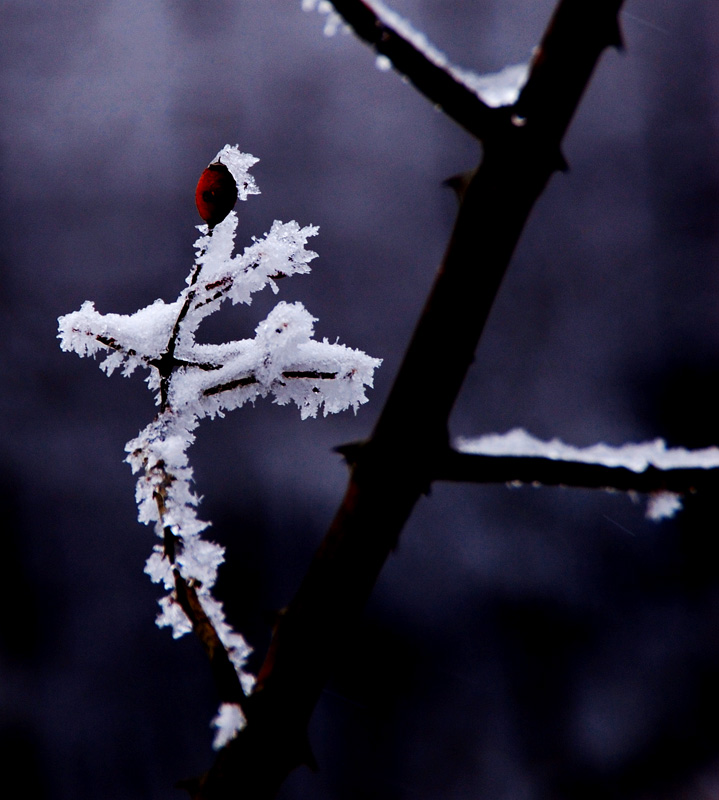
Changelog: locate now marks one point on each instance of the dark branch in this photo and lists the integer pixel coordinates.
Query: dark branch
(394, 468)
(311, 374)
(111, 343)
(249, 380)
(474, 468)
(224, 674)
(456, 100)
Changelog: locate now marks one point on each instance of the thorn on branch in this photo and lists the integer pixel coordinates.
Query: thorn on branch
(459, 183)
(350, 451)
(616, 37)
(562, 165)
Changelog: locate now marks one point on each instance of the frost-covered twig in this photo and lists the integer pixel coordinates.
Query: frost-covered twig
(191, 381)
(454, 90)
(650, 467)
(636, 458)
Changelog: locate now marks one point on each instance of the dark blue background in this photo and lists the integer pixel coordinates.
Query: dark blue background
(522, 643)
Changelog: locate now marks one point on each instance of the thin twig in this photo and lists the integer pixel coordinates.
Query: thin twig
(225, 675)
(441, 88)
(227, 682)
(476, 468)
(249, 380)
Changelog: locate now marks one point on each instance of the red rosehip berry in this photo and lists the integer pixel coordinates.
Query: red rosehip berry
(216, 194)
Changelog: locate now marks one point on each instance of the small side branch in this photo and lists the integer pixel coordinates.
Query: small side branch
(250, 380)
(113, 344)
(227, 681)
(432, 80)
(474, 468)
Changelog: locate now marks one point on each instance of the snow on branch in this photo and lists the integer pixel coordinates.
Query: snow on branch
(192, 380)
(635, 457)
(497, 89)
(650, 467)
(464, 95)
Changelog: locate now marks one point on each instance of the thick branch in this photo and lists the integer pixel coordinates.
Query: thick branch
(519, 158)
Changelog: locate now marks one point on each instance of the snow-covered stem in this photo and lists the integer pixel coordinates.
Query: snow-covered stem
(434, 80)
(469, 464)
(474, 468)
(192, 381)
(226, 678)
(651, 468)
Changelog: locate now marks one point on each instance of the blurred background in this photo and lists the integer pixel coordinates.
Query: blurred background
(521, 644)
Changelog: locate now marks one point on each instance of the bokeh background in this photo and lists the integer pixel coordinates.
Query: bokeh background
(522, 643)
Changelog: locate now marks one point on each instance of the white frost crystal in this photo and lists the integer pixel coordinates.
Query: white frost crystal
(238, 164)
(663, 505)
(229, 722)
(496, 89)
(333, 21)
(636, 457)
(192, 381)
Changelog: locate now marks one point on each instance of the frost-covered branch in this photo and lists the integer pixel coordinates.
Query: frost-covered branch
(395, 466)
(636, 458)
(649, 468)
(192, 380)
(464, 96)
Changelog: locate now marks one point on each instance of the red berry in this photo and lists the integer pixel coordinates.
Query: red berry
(216, 194)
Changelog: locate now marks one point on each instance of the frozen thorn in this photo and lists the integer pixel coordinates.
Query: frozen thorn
(350, 451)
(459, 183)
(560, 162)
(616, 38)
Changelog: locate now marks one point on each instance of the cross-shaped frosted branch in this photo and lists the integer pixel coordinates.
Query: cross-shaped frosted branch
(192, 380)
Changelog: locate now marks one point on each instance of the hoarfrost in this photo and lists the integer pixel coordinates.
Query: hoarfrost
(494, 89)
(333, 21)
(663, 505)
(239, 164)
(635, 457)
(498, 88)
(192, 381)
(228, 723)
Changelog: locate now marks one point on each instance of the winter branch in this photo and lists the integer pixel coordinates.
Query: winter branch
(422, 64)
(397, 464)
(471, 468)
(193, 380)
(521, 116)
